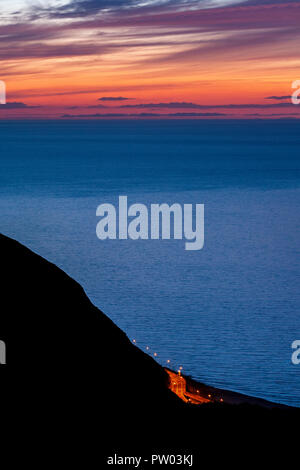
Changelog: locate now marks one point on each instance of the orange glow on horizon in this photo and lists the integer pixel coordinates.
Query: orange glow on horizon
(219, 56)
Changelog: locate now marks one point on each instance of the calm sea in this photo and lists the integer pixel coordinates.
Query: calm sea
(228, 313)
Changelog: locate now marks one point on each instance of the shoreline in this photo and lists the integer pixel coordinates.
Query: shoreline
(193, 392)
(68, 314)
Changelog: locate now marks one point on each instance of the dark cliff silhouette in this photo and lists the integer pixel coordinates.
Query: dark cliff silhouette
(76, 374)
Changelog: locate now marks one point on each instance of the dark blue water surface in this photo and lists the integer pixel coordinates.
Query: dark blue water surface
(228, 313)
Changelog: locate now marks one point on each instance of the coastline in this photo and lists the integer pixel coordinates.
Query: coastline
(46, 288)
(76, 372)
(197, 393)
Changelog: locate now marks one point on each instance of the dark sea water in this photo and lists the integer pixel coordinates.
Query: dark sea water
(228, 313)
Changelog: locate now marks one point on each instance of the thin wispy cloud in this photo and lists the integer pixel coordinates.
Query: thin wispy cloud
(16, 105)
(284, 97)
(114, 98)
(142, 115)
(80, 8)
(208, 106)
(95, 106)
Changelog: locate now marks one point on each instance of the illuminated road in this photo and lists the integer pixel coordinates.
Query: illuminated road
(178, 386)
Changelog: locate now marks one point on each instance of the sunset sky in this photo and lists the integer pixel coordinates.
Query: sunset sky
(174, 58)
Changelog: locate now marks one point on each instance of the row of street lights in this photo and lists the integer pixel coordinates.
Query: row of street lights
(179, 370)
(156, 355)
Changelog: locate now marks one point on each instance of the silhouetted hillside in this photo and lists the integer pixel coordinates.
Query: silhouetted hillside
(51, 326)
(76, 374)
